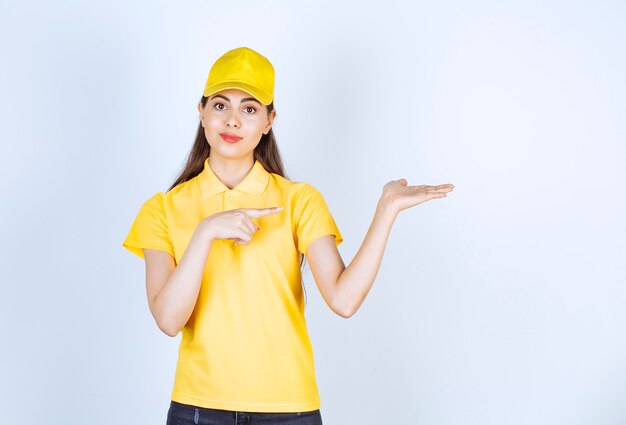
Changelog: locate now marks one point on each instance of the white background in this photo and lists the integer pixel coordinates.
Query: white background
(503, 303)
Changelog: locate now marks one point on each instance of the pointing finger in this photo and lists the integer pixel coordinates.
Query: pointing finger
(258, 212)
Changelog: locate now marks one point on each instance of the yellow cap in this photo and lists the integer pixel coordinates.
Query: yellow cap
(242, 68)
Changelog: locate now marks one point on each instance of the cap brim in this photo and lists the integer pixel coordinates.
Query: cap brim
(262, 96)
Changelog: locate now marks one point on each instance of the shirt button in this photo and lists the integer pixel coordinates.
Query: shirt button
(230, 196)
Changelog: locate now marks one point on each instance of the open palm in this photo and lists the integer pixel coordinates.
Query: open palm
(402, 196)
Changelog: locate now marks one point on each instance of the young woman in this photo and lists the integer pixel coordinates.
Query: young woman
(224, 247)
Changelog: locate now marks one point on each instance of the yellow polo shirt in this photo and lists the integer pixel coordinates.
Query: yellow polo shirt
(246, 345)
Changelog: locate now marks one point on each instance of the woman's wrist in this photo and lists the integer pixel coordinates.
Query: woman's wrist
(387, 207)
(386, 211)
(205, 231)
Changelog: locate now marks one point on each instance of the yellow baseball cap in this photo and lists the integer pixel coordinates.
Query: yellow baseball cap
(242, 68)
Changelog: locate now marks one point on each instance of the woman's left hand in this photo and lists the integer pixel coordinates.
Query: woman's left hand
(399, 196)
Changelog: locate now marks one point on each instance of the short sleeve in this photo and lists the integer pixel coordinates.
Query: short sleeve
(149, 230)
(313, 218)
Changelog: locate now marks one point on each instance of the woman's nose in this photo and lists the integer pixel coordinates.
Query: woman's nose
(232, 120)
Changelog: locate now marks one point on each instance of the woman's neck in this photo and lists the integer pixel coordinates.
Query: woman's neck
(231, 171)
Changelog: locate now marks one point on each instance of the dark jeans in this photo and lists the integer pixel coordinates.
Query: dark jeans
(186, 414)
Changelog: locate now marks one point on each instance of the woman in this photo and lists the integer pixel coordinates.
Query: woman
(223, 250)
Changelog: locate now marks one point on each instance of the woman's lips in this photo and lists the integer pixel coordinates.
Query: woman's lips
(230, 138)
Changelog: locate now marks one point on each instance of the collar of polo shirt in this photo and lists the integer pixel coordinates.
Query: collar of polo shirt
(254, 183)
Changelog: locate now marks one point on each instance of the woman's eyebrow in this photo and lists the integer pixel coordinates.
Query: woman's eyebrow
(245, 99)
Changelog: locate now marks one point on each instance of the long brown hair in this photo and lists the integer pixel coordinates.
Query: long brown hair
(266, 152)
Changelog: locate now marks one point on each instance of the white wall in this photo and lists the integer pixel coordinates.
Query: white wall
(500, 304)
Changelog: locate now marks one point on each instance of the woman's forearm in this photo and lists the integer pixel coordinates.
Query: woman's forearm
(358, 277)
(177, 299)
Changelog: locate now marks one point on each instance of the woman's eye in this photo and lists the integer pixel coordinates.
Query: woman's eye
(250, 107)
(217, 106)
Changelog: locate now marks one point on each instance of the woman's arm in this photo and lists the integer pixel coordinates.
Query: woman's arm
(345, 288)
(173, 289)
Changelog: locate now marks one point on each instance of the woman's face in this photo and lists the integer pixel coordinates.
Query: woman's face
(233, 112)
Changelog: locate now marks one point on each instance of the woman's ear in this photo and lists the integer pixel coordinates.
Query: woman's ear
(271, 121)
(200, 109)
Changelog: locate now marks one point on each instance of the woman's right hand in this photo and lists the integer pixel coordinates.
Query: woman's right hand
(235, 224)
